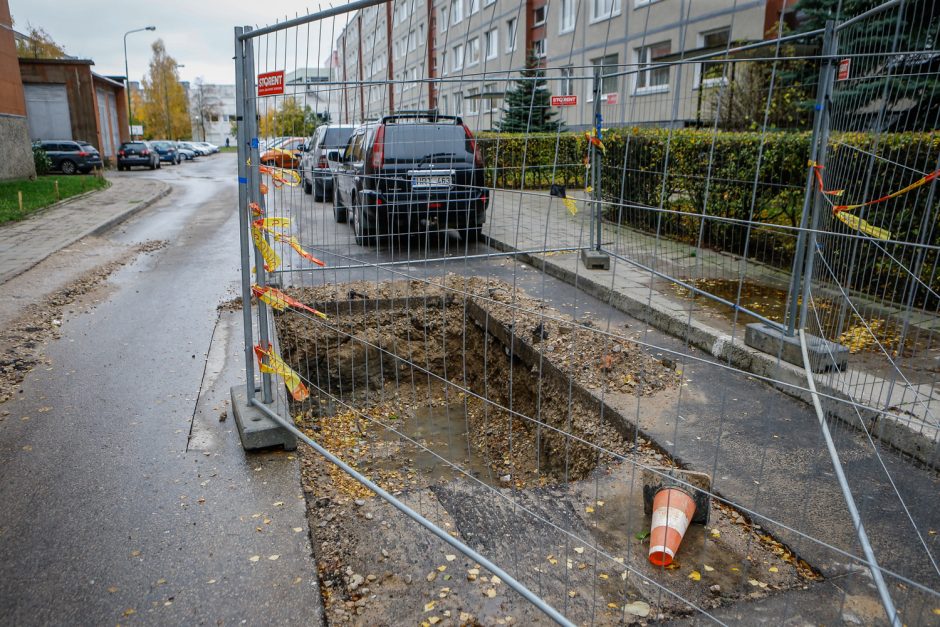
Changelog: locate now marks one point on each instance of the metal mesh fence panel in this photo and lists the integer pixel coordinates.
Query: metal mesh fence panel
(513, 270)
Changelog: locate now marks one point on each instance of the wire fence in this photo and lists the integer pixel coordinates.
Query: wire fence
(513, 270)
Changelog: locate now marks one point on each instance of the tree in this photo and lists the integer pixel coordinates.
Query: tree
(165, 110)
(204, 108)
(894, 85)
(289, 119)
(39, 45)
(527, 108)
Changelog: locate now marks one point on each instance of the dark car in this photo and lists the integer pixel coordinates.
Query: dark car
(324, 146)
(139, 153)
(411, 172)
(167, 151)
(71, 157)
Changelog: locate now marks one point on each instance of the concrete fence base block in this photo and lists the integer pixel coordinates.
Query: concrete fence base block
(696, 484)
(823, 354)
(595, 260)
(255, 429)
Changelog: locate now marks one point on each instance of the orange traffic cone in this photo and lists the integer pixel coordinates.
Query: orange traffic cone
(672, 511)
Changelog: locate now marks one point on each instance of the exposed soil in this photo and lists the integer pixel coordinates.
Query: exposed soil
(504, 444)
(34, 324)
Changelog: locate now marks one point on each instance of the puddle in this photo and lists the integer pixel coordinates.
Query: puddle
(441, 433)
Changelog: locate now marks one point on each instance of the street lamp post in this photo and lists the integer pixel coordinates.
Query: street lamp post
(127, 76)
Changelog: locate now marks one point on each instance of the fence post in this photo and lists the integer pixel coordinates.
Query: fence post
(255, 195)
(826, 77)
(593, 258)
(244, 213)
(819, 115)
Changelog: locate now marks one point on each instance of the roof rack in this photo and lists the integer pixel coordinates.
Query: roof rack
(421, 114)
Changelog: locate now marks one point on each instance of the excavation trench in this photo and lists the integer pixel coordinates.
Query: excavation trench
(485, 410)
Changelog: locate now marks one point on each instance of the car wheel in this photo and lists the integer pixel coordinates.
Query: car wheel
(339, 211)
(360, 230)
(473, 234)
(308, 189)
(68, 167)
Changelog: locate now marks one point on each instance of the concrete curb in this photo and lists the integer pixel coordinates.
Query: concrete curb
(888, 428)
(98, 229)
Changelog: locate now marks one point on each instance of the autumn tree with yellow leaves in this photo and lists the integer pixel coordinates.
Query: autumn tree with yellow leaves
(164, 107)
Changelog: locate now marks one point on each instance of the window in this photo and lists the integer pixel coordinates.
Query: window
(456, 11)
(604, 9)
(444, 62)
(474, 7)
(540, 48)
(608, 68)
(412, 41)
(566, 24)
(656, 79)
(473, 96)
(539, 16)
(457, 58)
(444, 17)
(511, 34)
(458, 104)
(444, 105)
(487, 3)
(567, 81)
(492, 43)
(473, 51)
(490, 103)
(711, 74)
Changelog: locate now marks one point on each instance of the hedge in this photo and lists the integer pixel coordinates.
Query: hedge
(718, 170)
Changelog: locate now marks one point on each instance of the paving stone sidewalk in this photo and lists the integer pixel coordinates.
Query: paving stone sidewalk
(25, 243)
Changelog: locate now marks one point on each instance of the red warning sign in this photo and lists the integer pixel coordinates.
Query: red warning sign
(564, 101)
(271, 83)
(844, 67)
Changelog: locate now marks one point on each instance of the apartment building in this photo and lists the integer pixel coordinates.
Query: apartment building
(212, 108)
(461, 56)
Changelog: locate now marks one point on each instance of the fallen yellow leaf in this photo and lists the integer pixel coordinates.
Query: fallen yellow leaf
(130, 611)
(278, 503)
(450, 558)
(604, 576)
(589, 509)
(773, 569)
(429, 606)
(135, 553)
(612, 606)
(708, 568)
(491, 593)
(273, 557)
(579, 549)
(254, 558)
(716, 533)
(695, 575)
(441, 568)
(113, 589)
(572, 594)
(434, 620)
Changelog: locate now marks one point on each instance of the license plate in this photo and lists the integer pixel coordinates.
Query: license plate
(433, 180)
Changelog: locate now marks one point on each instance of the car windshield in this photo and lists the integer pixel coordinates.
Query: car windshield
(89, 148)
(407, 143)
(135, 146)
(336, 137)
(162, 145)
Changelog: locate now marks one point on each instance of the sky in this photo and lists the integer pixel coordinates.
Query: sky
(197, 33)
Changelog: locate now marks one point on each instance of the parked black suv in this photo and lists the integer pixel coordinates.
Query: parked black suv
(70, 156)
(411, 172)
(137, 153)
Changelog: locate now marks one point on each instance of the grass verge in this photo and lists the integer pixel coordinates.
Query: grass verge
(41, 192)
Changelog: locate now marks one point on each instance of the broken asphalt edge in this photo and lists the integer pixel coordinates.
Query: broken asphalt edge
(785, 377)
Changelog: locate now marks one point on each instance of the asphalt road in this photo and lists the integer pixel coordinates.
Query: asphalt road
(108, 515)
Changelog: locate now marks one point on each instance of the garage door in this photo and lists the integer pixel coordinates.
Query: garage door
(47, 111)
(107, 123)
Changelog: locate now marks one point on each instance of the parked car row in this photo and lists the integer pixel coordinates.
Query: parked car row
(76, 156)
(152, 153)
(404, 173)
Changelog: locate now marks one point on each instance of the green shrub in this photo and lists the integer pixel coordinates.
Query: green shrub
(41, 160)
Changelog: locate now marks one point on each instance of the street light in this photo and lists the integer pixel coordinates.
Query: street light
(127, 75)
